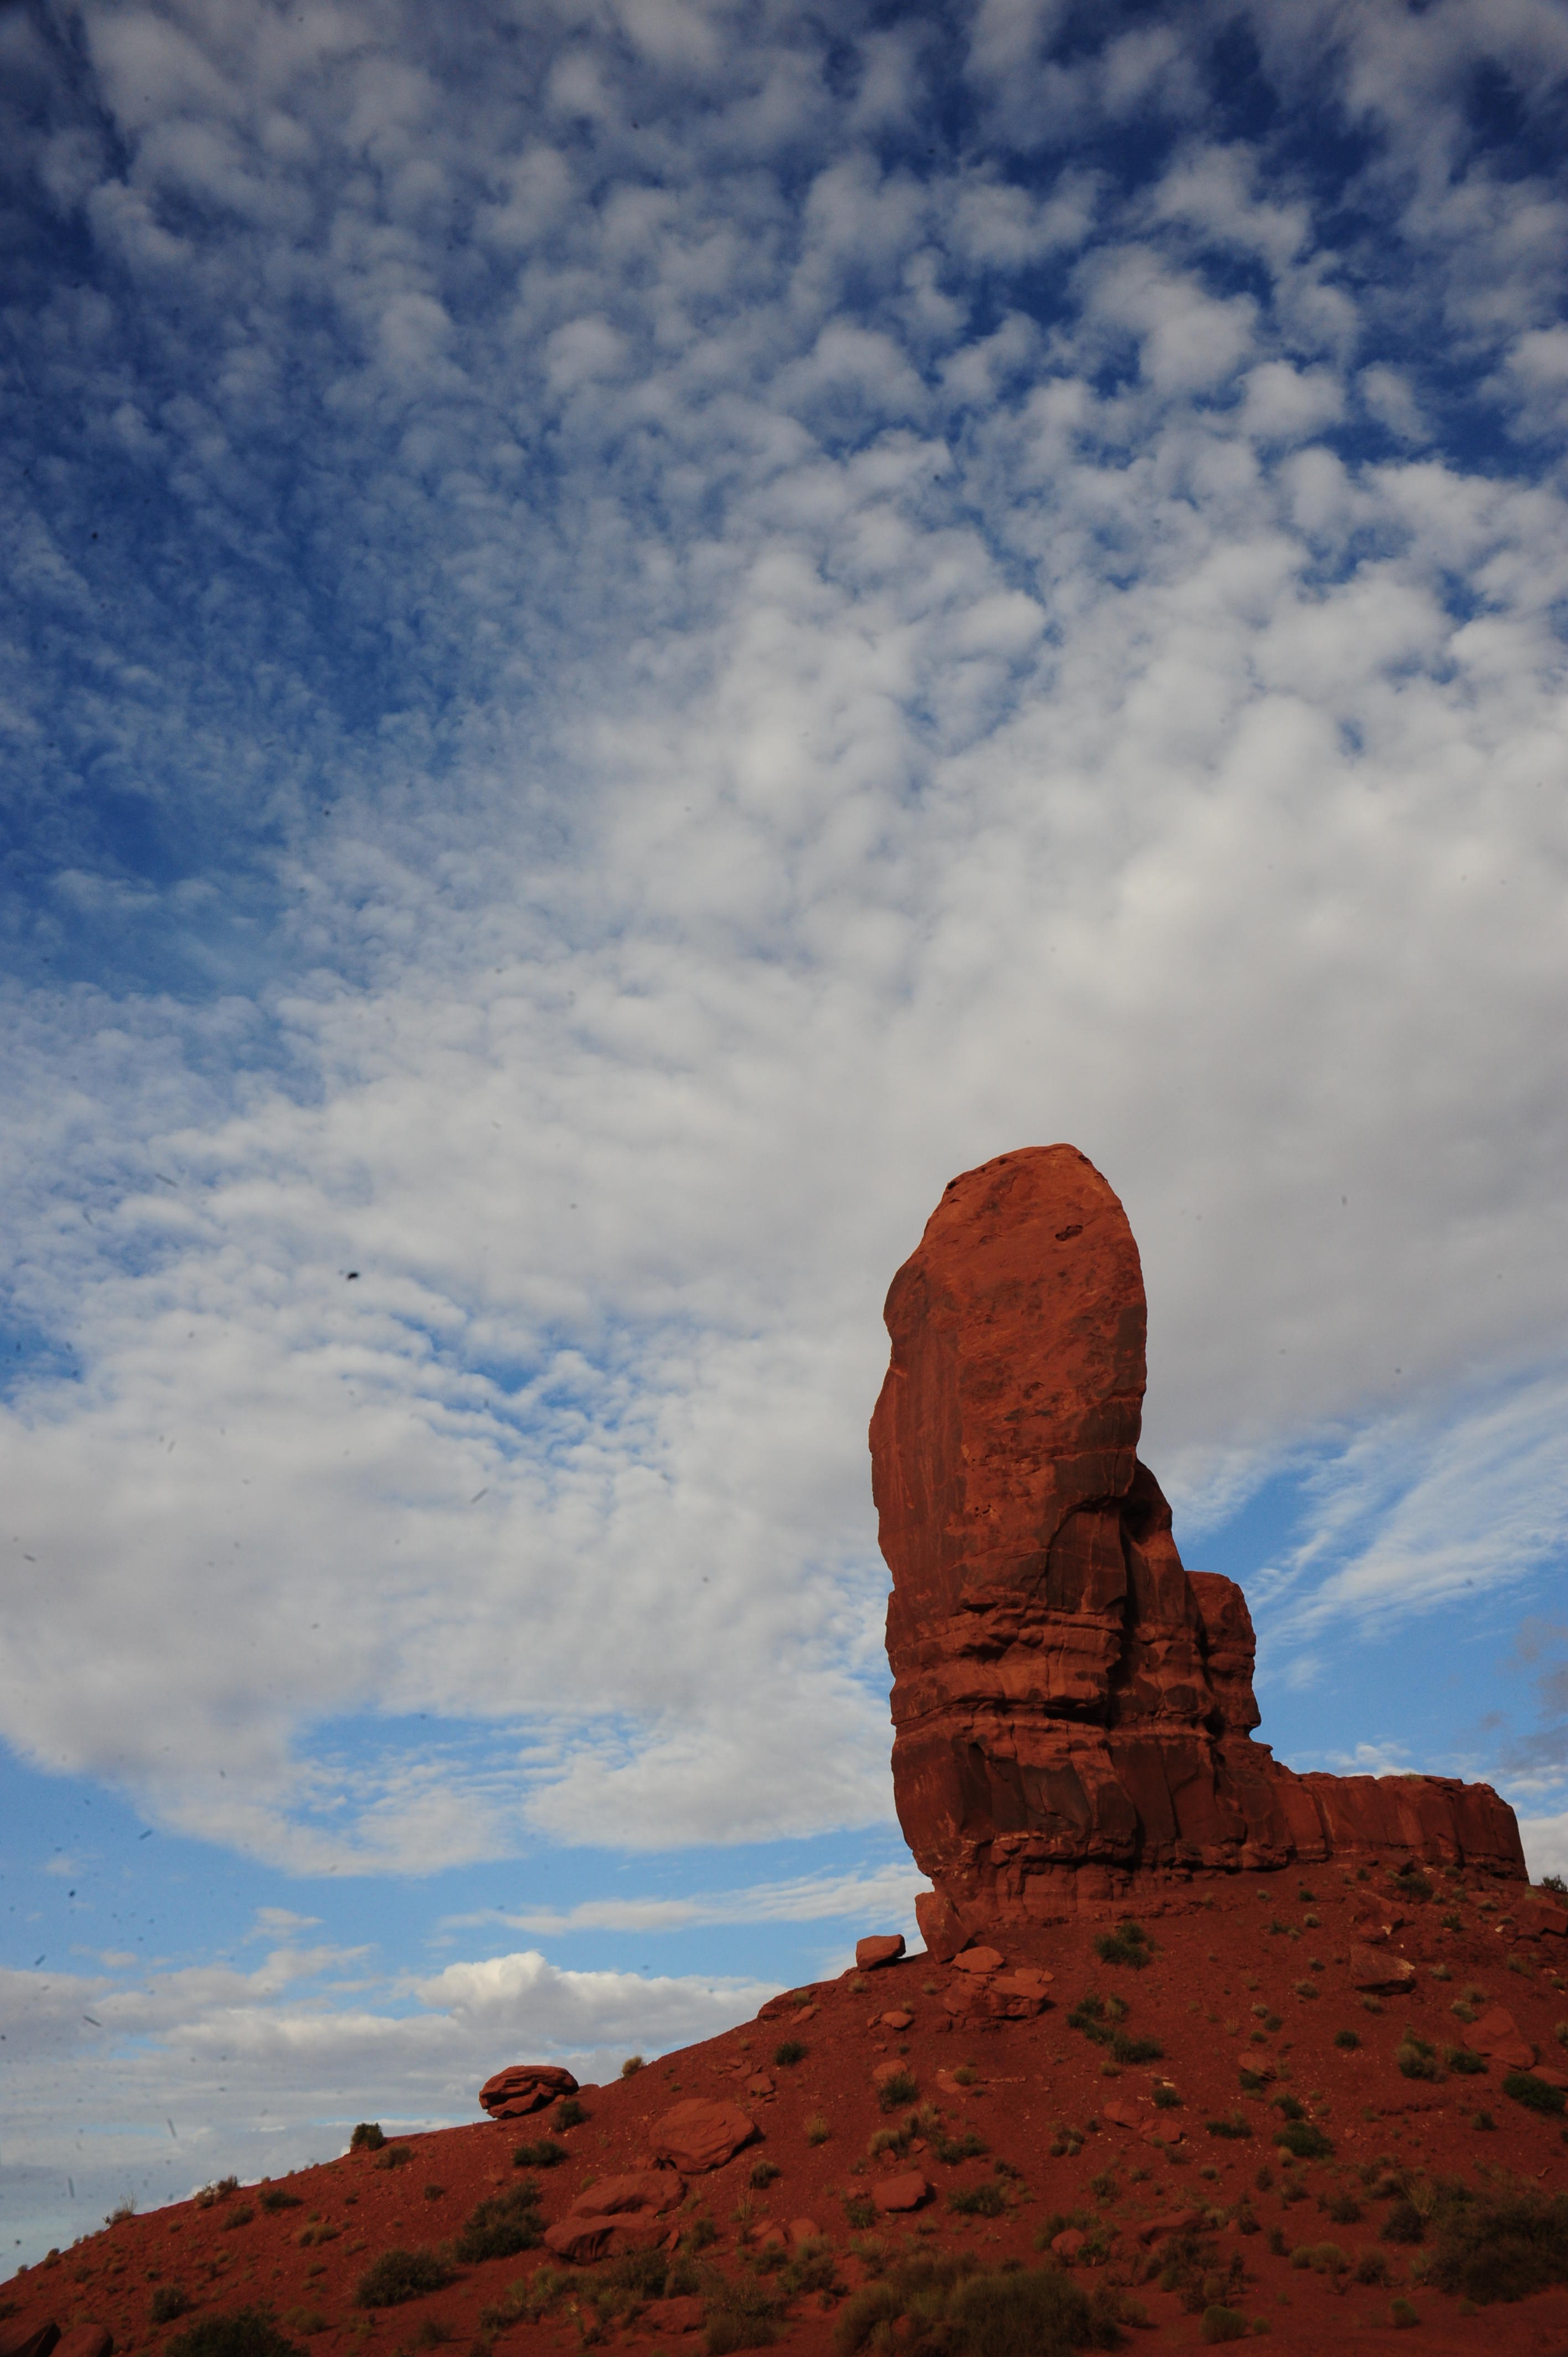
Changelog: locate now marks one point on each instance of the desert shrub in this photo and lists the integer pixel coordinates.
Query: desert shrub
(398, 2275)
(435, 2192)
(1464, 2064)
(545, 2154)
(952, 2306)
(1322, 2258)
(1553, 1882)
(631, 2066)
(951, 2150)
(367, 2137)
(1347, 2039)
(395, 2155)
(1402, 2313)
(240, 2216)
(1127, 2048)
(818, 2130)
(1290, 2107)
(872, 2304)
(1129, 1944)
(742, 2316)
(219, 2191)
(1342, 2207)
(1484, 2121)
(508, 2223)
(308, 2321)
(1414, 2058)
(1165, 2098)
(1501, 2249)
(1305, 2140)
(1235, 2127)
(1222, 2324)
(244, 2332)
(570, 2112)
(898, 2090)
(278, 2197)
(861, 2211)
(1532, 2093)
(1411, 1883)
(1371, 2268)
(1306, 1988)
(763, 2173)
(1404, 2223)
(787, 2052)
(984, 2200)
(168, 2302)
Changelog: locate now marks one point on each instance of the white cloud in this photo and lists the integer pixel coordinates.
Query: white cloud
(883, 1901)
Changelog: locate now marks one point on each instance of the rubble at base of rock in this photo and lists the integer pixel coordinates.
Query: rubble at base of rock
(1073, 1709)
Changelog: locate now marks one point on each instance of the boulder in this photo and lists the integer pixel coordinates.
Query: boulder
(1068, 2243)
(759, 2084)
(882, 1948)
(524, 2087)
(683, 2313)
(27, 2336)
(1071, 1705)
(979, 1960)
(85, 2340)
(583, 2238)
(1498, 2036)
(652, 2190)
(882, 2072)
(803, 2230)
(1541, 1914)
(905, 2192)
(895, 2020)
(1172, 2222)
(1376, 1969)
(700, 2134)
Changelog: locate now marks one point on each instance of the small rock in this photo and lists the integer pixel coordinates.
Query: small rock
(760, 2083)
(897, 2020)
(1068, 2243)
(803, 2230)
(882, 1948)
(956, 2087)
(652, 2190)
(883, 2071)
(905, 2192)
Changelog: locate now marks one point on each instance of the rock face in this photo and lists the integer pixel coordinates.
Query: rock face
(524, 2087)
(1072, 1706)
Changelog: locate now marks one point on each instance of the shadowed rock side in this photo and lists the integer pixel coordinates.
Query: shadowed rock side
(1070, 1704)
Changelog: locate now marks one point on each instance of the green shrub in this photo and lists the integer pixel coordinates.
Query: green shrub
(278, 2197)
(1128, 1944)
(1502, 2249)
(1127, 2048)
(1401, 2312)
(787, 2052)
(1533, 2093)
(240, 2216)
(955, 2308)
(1347, 2039)
(763, 2173)
(395, 2155)
(899, 2089)
(983, 2201)
(398, 2275)
(741, 2316)
(244, 2332)
(498, 2229)
(570, 2112)
(861, 2211)
(1414, 2058)
(1342, 2207)
(367, 2137)
(1165, 2098)
(951, 2150)
(545, 2154)
(168, 2302)
(1290, 2107)
(1236, 2126)
(631, 2066)
(1464, 2064)
(1371, 2268)
(1222, 2324)
(1305, 2140)
(1404, 2223)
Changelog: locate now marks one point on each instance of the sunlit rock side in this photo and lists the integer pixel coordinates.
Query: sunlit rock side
(1073, 1708)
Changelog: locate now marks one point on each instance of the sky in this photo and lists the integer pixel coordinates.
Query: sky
(634, 631)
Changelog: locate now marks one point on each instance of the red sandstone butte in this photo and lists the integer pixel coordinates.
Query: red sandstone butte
(1070, 1706)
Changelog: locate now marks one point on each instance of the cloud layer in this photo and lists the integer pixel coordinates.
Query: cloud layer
(640, 632)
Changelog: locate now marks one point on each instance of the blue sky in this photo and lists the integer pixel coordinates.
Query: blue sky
(634, 631)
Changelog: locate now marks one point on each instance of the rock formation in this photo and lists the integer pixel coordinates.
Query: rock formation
(1071, 1707)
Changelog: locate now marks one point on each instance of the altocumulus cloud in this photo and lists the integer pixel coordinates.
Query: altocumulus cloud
(637, 631)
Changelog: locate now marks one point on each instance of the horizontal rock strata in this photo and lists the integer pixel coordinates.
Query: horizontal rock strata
(1071, 1705)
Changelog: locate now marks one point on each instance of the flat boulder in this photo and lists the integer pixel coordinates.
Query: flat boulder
(524, 2087)
(803, 2230)
(1541, 1913)
(601, 2236)
(979, 1960)
(1498, 2036)
(895, 2020)
(652, 2189)
(892, 2068)
(1171, 2222)
(881, 1948)
(905, 2192)
(683, 2313)
(702, 2133)
(1373, 1971)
